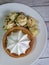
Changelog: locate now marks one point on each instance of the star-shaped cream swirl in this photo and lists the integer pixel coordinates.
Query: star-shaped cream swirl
(17, 42)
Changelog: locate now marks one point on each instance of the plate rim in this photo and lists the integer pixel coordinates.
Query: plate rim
(44, 26)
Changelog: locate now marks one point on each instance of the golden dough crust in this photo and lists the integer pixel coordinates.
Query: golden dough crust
(25, 31)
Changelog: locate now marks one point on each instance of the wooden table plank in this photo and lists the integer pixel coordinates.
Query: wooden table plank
(28, 2)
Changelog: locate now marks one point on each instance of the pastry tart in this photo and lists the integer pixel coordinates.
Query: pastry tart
(18, 42)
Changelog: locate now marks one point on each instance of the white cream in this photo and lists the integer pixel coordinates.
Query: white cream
(18, 42)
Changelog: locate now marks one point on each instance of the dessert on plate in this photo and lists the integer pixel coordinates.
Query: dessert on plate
(18, 42)
(21, 31)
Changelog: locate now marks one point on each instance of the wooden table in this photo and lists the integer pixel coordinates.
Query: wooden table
(42, 6)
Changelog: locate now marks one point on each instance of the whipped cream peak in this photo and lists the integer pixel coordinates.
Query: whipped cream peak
(17, 42)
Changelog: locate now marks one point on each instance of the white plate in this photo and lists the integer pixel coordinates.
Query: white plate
(41, 38)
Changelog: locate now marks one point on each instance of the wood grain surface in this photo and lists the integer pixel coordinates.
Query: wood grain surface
(41, 6)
